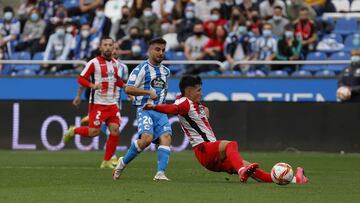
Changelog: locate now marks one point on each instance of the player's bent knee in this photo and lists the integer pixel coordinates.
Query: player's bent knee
(165, 140)
(94, 132)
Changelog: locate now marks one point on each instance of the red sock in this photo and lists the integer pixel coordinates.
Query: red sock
(82, 131)
(233, 155)
(262, 176)
(111, 144)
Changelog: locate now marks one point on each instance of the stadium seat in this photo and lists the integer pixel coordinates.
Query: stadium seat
(278, 73)
(341, 5)
(174, 68)
(20, 56)
(256, 73)
(314, 56)
(355, 6)
(301, 73)
(338, 56)
(345, 26)
(70, 3)
(352, 42)
(325, 73)
(334, 36)
(37, 56)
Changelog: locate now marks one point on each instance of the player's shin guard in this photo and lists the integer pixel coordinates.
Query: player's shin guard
(82, 131)
(262, 176)
(232, 154)
(111, 144)
(163, 157)
(132, 152)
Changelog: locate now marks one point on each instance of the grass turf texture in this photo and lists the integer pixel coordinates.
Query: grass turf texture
(72, 176)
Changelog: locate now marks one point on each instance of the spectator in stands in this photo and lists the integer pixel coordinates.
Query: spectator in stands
(83, 49)
(58, 47)
(33, 30)
(288, 47)
(85, 6)
(138, 7)
(278, 21)
(178, 12)
(162, 9)
(132, 47)
(203, 8)
(246, 7)
(120, 27)
(148, 35)
(114, 9)
(100, 24)
(350, 78)
(267, 8)
(215, 20)
(171, 39)
(149, 20)
(184, 28)
(238, 47)
(61, 17)
(214, 49)
(47, 8)
(9, 31)
(194, 47)
(254, 23)
(293, 10)
(266, 45)
(305, 29)
(24, 10)
(235, 19)
(225, 9)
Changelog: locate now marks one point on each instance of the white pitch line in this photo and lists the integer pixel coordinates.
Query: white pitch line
(49, 167)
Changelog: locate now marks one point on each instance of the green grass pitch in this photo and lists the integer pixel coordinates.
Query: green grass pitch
(72, 176)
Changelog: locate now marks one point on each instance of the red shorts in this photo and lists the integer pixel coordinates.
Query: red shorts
(99, 113)
(207, 153)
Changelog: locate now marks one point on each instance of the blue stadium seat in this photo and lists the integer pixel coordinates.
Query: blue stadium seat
(334, 36)
(20, 56)
(325, 73)
(256, 73)
(278, 73)
(301, 73)
(338, 56)
(345, 26)
(352, 42)
(37, 56)
(174, 68)
(314, 56)
(71, 3)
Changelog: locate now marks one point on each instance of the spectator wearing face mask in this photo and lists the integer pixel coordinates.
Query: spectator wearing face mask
(293, 10)
(305, 29)
(132, 47)
(246, 7)
(162, 8)
(149, 20)
(278, 21)
(120, 27)
(203, 9)
(33, 30)
(83, 49)
(254, 23)
(58, 47)
(100, 24)
(267, 8)
(9, 31)
(235, 19)
(350, 79)
(24, 11)
(184, 28)
(215, 21)
(239, 46)
(288, 47)
(266, 44)
(179, 10)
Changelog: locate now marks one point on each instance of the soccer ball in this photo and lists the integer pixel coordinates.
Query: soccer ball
(282, 174)
(343, 93)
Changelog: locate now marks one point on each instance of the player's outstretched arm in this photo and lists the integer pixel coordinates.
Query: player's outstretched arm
(163, 108)
(134, 91)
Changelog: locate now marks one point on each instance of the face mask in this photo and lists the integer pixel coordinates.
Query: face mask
(355, 59)
(267, 33)
(125, 15)
(61, 15)
(189, 15)
(214, 17)
(165, 27)
(85, 33)
(303, 20)
(147, 13)
(198, 34)
(235, 17)
(271, 2)
(255, 18)
(134, 36)
(242, 29)
(60, 32)
(34, 17)
(69, 29)
(8, 15)
(147, 36)
(99, 14)
(136, 49)
(289, 34)
(277, 18)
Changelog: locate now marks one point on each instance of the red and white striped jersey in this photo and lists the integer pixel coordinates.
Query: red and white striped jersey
(194, 121)
(100, 70)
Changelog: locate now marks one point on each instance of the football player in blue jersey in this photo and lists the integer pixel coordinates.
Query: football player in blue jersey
(148, 83)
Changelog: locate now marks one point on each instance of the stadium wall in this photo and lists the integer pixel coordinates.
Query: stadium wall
(257, 126)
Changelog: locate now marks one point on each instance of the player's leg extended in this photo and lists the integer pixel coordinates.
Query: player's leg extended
(111, 144)
(163, 157)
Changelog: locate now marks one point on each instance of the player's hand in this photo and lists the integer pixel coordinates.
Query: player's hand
(76, 102)
(153, 95)
(96, 86)
(148, 106)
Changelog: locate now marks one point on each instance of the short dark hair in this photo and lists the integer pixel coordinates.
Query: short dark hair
(189, 81)
(158, 40)
(8, 9)
(105, 38)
